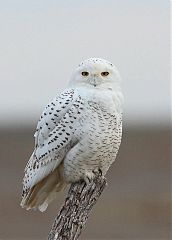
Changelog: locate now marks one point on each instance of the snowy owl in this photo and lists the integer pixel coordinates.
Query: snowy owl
(78, 133)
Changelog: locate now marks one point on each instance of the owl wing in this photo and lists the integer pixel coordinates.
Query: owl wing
(53, 137)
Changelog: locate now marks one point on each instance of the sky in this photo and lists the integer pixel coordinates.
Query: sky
(42, 41)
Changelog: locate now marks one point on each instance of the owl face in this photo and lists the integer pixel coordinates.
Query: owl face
(96, 73)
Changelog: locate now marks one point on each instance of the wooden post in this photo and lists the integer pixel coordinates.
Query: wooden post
(74, 213)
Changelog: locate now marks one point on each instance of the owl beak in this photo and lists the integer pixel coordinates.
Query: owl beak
(93, 82)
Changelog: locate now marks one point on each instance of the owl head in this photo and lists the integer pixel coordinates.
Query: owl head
(96, 73)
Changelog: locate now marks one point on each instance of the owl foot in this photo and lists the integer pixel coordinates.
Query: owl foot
(98, 172)
(90, 176)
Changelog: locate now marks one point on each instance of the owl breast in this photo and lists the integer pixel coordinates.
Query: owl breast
(98, 135)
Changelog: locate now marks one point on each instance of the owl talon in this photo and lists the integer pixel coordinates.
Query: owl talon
(98, 172)
(87, 180)
(89, 176)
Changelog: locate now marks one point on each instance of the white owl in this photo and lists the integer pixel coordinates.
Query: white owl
(78, 133)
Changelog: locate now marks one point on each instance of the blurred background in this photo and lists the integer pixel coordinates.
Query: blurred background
(41, 43)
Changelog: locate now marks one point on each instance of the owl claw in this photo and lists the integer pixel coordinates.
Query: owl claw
(90, 176)
(98, 172)
(87, 180)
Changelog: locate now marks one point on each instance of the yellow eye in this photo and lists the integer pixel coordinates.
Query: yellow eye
(104, 74)
(85, 74)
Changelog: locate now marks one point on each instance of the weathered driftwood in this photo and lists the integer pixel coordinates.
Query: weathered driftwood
(74, 213)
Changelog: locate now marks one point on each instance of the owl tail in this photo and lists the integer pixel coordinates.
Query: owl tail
(44, 192)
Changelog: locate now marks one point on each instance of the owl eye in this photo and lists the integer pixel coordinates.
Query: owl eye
(85, 74)
(104, 74)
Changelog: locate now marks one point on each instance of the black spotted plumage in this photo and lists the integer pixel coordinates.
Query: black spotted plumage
(78, 132)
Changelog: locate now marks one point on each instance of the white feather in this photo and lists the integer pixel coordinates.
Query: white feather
(80, 131)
